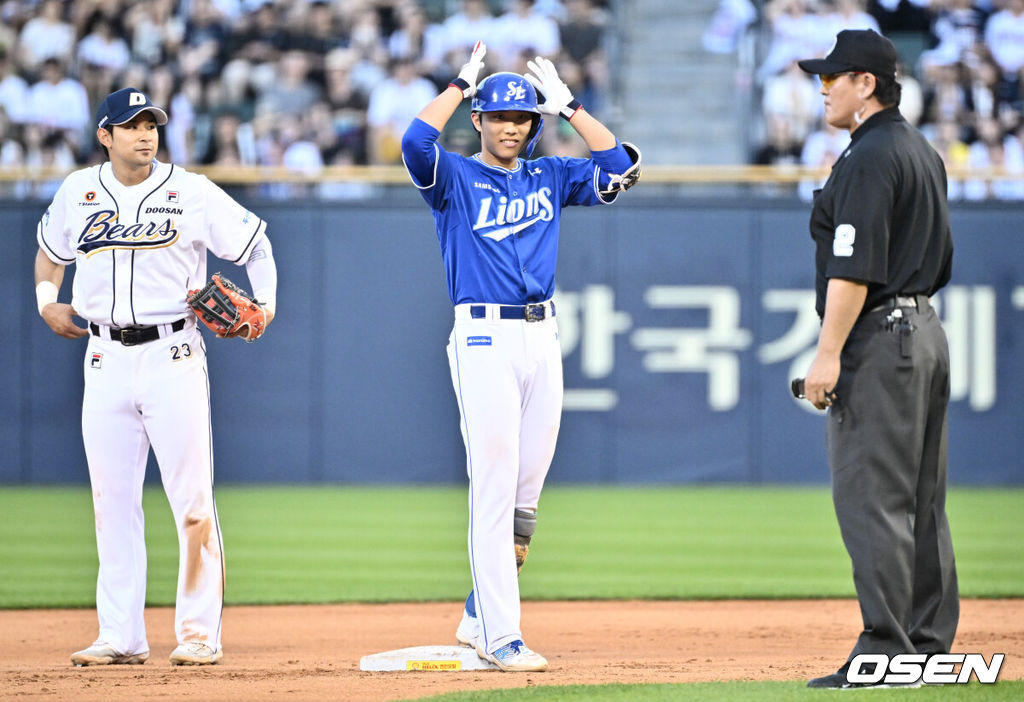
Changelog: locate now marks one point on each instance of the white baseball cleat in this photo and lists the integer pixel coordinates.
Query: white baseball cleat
(514, 657)
(468, 631)
(105, 654)
(195, 653)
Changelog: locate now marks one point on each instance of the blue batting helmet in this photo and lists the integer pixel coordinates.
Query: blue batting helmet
(505, 91)
(509, 91)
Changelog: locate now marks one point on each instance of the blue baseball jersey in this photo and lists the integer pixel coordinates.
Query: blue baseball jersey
(498, 228)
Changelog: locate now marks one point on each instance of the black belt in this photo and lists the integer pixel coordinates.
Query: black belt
(531, 313)
(891, 303)
(133, 336)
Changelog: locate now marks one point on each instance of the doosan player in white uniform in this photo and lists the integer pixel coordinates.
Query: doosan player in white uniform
(138, 231)
(497, 219)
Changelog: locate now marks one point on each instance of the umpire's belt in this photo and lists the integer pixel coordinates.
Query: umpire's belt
(529, 313)
(891, 303)
(133, 336)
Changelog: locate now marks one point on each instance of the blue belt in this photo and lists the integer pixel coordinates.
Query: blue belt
(530, 313)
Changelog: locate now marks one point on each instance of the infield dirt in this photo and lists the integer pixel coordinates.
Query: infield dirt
(311, 653)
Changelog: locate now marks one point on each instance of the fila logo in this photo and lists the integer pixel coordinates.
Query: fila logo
(96, 361)
(516, 91)
(172, 196)
(136, 99)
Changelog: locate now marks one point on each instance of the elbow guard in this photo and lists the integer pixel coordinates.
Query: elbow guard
(628, 178)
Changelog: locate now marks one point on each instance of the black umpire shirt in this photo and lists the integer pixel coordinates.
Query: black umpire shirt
(881, 217)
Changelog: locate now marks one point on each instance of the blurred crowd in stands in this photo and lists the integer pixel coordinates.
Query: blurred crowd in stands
(295, 83)
(309, 83)
(962, 74)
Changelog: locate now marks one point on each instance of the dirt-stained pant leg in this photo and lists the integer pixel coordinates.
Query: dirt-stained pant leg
(176, 410)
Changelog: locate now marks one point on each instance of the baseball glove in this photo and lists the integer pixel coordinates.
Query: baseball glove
(228, 310)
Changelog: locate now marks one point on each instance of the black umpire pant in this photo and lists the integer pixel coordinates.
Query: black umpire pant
(886, 441)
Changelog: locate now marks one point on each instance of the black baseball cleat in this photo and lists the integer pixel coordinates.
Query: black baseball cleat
(838, 680)
(834, 681)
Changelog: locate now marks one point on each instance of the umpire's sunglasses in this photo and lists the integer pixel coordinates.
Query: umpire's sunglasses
(828, 79)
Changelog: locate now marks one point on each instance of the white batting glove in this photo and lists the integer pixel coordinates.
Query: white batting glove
(558, 99)
(468, 76)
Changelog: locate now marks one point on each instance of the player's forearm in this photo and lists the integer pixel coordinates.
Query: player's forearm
(48, 276)
(262, 271)
(439, 110)
(58, 316)
(597, 136)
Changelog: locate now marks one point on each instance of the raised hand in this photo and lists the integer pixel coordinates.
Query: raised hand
(469, 75)
(558, 99)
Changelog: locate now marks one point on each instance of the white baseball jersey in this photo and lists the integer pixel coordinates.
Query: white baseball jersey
(138, 250)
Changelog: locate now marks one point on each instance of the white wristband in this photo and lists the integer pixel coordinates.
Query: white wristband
(46, 292)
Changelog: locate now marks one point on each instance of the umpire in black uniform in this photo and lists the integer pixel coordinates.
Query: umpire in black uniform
(883, 245)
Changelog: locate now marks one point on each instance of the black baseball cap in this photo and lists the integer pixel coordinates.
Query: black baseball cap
(856, 50)
(122, 105)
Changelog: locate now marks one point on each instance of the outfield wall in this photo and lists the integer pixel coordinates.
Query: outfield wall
(682, 321)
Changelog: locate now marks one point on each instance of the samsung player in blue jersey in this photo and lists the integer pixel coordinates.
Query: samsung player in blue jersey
(497, 218)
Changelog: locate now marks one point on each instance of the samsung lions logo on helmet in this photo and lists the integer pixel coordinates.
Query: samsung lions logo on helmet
(515, 91)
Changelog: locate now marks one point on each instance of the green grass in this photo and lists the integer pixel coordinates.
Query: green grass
(736, 692)
(336, 544)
